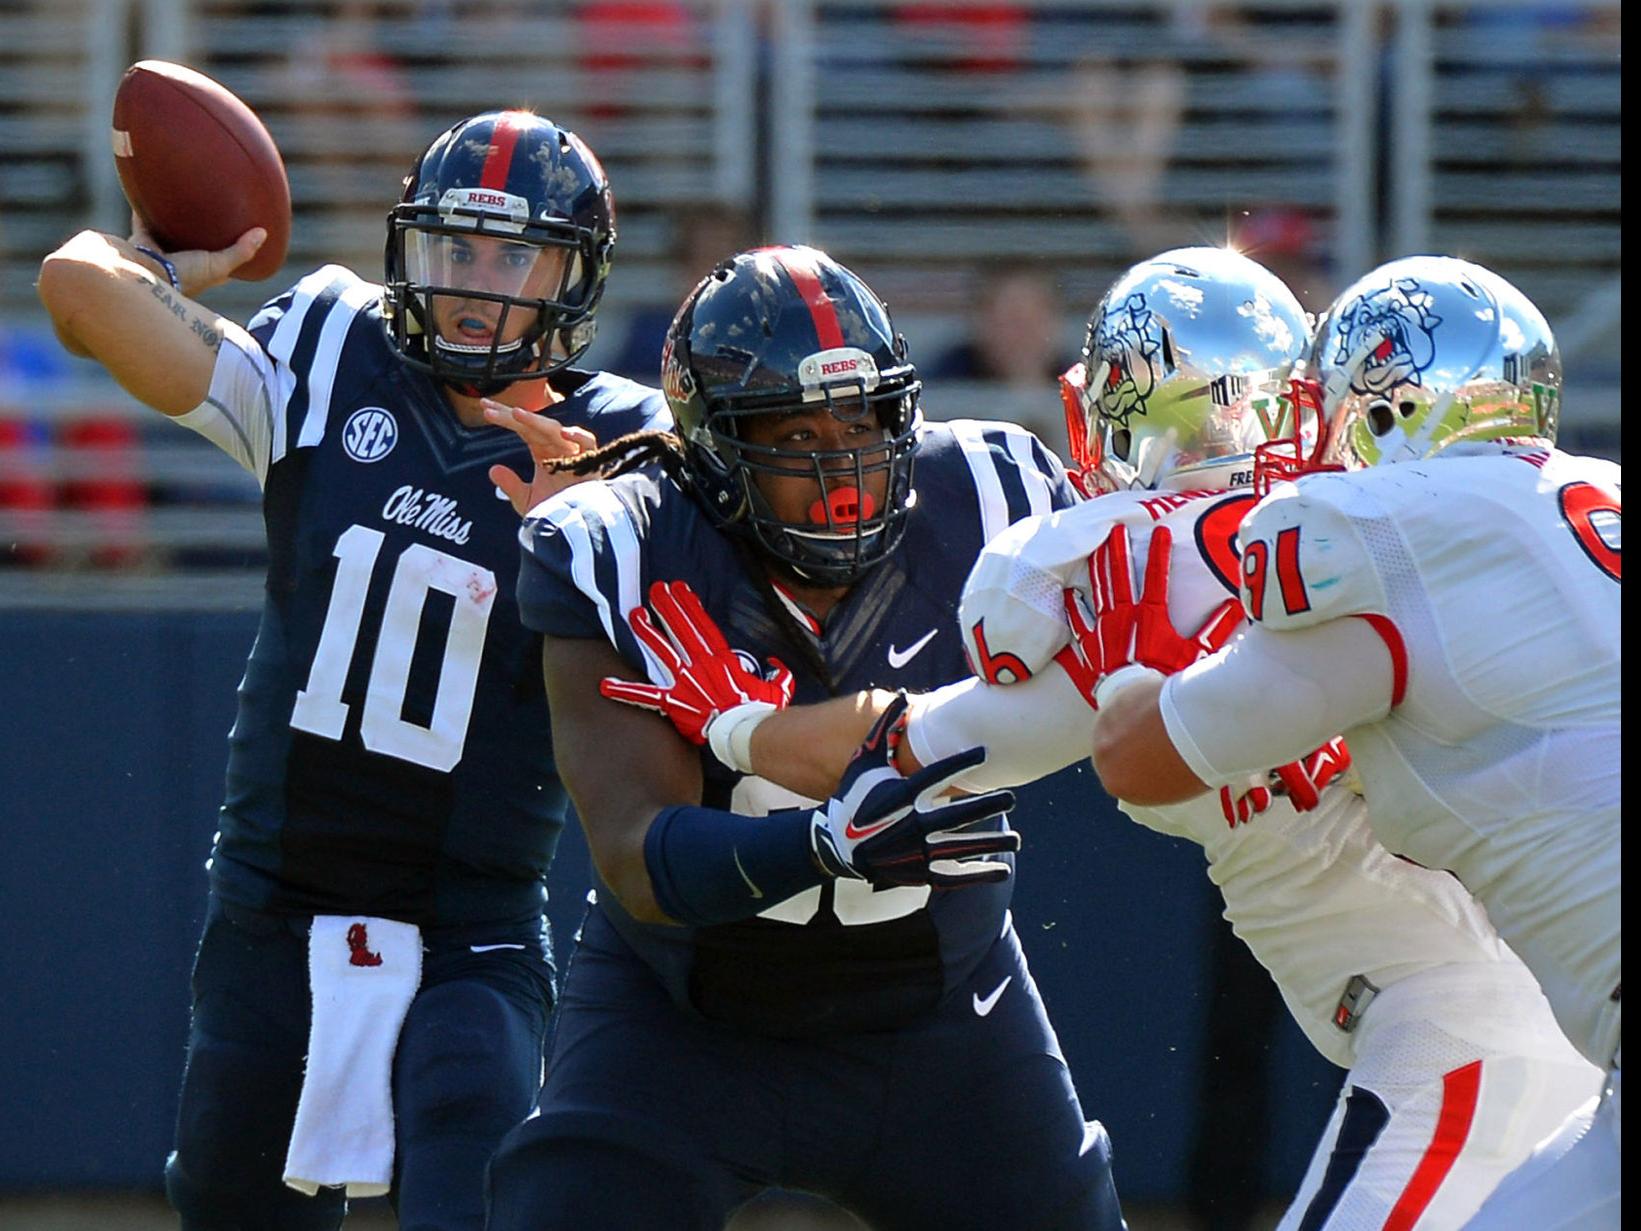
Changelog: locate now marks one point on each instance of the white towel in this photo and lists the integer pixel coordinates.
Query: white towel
(364, 973)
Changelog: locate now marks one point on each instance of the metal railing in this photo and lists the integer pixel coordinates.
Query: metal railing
(929, 146)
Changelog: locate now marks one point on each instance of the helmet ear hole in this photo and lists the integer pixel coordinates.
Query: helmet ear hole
(1407, 408)
(1120, 441)
(1380, 418)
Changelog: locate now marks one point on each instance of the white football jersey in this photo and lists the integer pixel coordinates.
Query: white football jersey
(1313, 895)
(1495, 580)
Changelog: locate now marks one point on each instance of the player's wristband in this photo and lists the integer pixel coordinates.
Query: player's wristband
(708, 866)
(164, 263)
(729, 735)
(1123, 678)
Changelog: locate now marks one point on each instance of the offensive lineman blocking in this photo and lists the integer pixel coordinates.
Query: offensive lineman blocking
(847, 1008)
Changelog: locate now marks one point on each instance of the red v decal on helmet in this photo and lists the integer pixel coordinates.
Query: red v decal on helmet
(500, 158)
(806, 277)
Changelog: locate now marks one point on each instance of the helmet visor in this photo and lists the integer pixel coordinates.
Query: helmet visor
(490, 265)
(481, 295)
(1182, 429)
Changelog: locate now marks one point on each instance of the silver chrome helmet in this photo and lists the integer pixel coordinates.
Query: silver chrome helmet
(1426, 353)
(1183, 372)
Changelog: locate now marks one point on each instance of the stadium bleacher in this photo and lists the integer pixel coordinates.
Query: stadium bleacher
(925, 144)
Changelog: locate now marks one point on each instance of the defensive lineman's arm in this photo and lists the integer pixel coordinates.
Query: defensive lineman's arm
(111, 303)
(805, 748)
(1029, 730)
(666, 858)
(1163, 742)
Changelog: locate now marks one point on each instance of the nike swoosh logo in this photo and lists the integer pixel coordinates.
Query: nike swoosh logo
(855, 834)
(492, 948)
(899, 658)
(985, 1004)
(756, 892)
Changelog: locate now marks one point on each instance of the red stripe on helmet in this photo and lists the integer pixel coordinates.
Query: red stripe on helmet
(500, 158)
(805, 275)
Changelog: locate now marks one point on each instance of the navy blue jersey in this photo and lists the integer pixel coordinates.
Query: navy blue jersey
(840, 956)
(392, 753)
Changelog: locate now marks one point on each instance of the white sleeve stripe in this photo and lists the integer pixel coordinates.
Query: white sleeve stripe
(595, 502)
(328, 355)
(571, 523)
(994, 505)
(283, 343)
(622, 535)
(285, 382)
(624, 538)
(1039, 495)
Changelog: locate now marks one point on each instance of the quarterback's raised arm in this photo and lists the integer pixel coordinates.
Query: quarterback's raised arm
(110, 302)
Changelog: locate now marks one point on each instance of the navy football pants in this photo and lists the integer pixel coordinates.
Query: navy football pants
(466, 1070)
(653, 1119)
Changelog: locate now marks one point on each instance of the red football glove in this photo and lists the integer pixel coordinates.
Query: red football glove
(707, 676)
(1301, 781)
(1243, 807)
(1121, 630)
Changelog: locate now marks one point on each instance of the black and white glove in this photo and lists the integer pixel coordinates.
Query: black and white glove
(890, 830)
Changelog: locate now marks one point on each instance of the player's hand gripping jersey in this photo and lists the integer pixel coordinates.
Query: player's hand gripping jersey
(391, 754)
(1494, 581)
(591, 556)
(1322, 905)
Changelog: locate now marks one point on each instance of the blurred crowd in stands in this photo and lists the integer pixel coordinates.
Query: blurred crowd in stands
(1004, 323)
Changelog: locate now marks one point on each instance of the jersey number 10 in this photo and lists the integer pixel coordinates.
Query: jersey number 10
(319, 708)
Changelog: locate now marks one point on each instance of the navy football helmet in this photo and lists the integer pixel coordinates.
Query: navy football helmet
(776, 331)
(506, 218)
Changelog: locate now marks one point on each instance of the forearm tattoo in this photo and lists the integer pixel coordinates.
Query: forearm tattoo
(212, 338)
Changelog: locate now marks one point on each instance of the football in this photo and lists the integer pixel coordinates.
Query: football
(197, 165)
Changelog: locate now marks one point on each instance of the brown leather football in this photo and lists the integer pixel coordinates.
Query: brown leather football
(198, 166)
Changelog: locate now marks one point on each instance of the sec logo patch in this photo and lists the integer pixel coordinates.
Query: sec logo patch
(370, 434)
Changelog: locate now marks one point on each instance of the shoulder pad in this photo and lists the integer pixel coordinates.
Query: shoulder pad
(1304, 558)
(1598, 470)
(1012, 473)
(614, 400)
(327, 284)
(305, 332)
(1012, 614)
